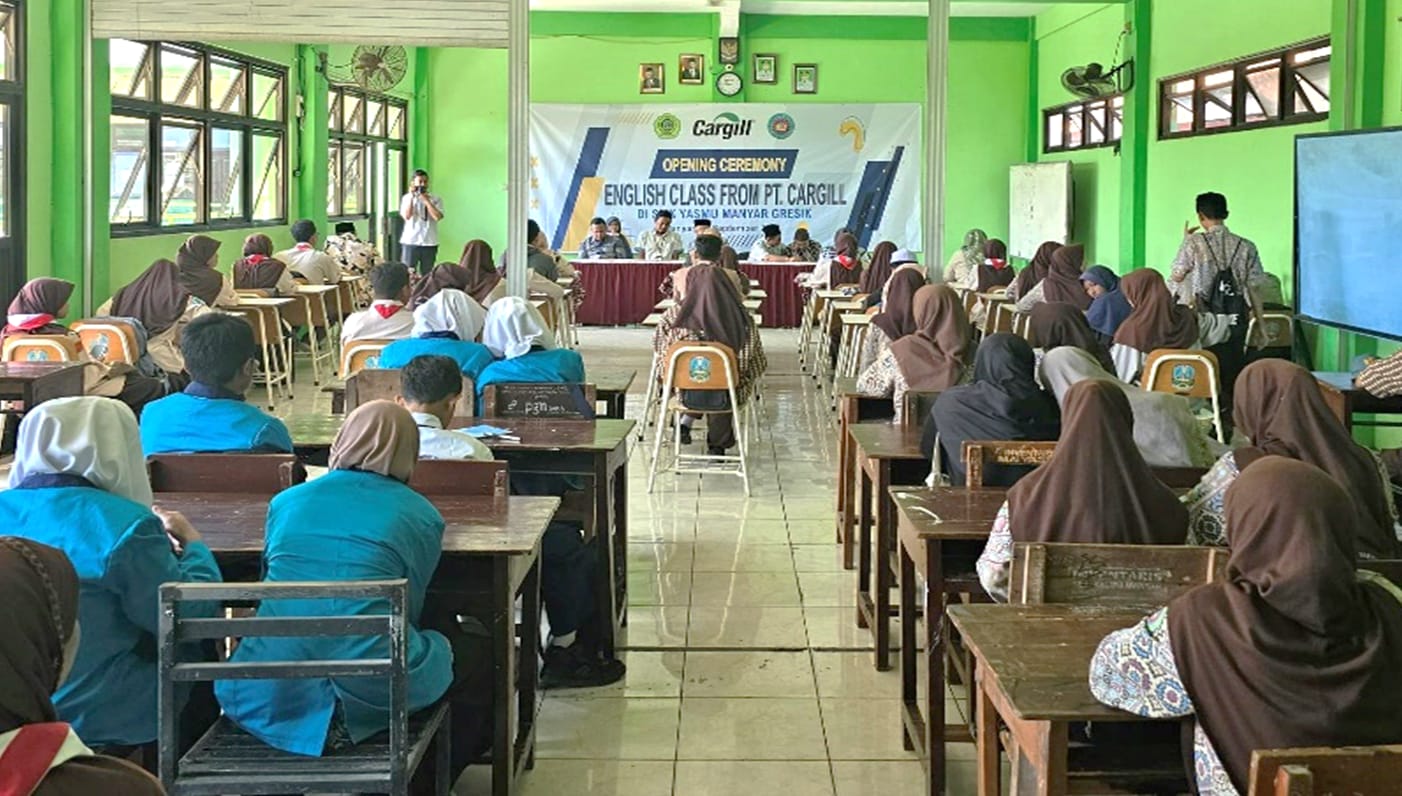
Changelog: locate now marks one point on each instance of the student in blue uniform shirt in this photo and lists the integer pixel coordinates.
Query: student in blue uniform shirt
(448, 325)
(211, 416)
(526, 351)
(360, 521)
(79, 484)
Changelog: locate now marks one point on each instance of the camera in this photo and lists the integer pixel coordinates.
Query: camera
(418, 189)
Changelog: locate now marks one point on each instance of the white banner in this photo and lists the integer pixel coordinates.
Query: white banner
(821, 167)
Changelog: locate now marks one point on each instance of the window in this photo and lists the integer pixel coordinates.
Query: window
(198, 138)
(358, 121)
(12, 145)
(1086, 124)
(1289, 86)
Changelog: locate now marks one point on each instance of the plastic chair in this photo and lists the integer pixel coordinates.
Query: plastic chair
(709, 367)
(110, 341)
(1190, 373)
(360, 355)
(1276, 330)
(40, 348)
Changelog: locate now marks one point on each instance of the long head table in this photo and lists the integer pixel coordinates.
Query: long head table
(623, 292)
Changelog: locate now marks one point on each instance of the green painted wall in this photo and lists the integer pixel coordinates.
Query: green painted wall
(1074, 35)
(988, 100)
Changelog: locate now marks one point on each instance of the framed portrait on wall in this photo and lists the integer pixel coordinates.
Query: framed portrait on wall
(651, 79)
(766, 68)
(691, 69)
(729, 50)
(805, 78)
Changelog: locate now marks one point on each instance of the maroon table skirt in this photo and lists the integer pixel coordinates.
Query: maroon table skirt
(619, 293)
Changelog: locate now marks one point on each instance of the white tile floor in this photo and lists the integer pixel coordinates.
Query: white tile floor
(746, 671)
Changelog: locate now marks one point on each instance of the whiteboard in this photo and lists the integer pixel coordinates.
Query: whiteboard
(1039, 206)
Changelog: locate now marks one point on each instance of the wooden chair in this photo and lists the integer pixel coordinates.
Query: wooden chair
(1276, 330)
(110, 341)
(360, 355)
(981, 454)
(245, 473)
(570, 401)
(1371, 770)
(40, 348)
(229, 760)
(275, 365)
(1190, 373)
(1110, 574)
(380, 384)
(708, 367)
(451, 477)
(916, 407)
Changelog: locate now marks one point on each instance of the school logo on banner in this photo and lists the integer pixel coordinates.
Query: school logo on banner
(667, 126)
(781, 125)
(699, 369)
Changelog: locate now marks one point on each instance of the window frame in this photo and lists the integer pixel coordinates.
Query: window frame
(1084, 110)
(339, 137)
(1286, 101)
(157, 113)
(14, 93)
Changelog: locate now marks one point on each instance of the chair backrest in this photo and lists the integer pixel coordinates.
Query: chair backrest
(382, 384)
(1110, 574)
(561, 400)
(175, 630)
(40, 348)
(1275, 330)
(1179, 371)
(917, 407)
(703, 366)
(451, 477)
(255, 317)
(110, 340)
(980, 454)
(968, 297)
(244, 473)
(358, 355)
(1371, 770)
(1000, 319)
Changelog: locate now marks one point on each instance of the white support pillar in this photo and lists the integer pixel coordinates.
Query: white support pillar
(518, 168)
(936, 95)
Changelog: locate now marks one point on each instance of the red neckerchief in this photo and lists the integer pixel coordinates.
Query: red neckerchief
(254, 259)
(998, 265)
(36, 322)
(303, 247)
(30, 755)
(387, 311)
(845, 261)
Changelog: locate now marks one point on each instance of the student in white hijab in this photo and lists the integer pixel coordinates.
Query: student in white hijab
(448, 325)
(1165, 430)
(526, 350)
(79, 484)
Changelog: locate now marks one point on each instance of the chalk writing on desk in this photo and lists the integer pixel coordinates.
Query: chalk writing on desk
(540, 400)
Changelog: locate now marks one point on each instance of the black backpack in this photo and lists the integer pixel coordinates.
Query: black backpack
(1225, 296)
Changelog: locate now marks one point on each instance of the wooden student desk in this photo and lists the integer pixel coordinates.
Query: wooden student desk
(887, 455)
(1346, 399)
(596, 450)
(941, 533)
(33, 383)
(491, 554)
(1032, 665)
(611, 386)
(852, 407)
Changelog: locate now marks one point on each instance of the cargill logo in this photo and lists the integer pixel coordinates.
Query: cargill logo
(726, 126)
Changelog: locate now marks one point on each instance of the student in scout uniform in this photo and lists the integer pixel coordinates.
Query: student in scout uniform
(380, 529)
(526, 351)
(79, 484)
(210, 415)
(448, 325)
(386, 318)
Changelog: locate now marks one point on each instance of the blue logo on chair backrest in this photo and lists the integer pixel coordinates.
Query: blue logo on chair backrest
(100, 347)
(373, 362)
(699, 369)
(37, 355)
(1184, 377)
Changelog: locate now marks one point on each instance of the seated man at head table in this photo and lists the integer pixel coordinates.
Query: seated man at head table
(600, 245)
(771, 248)
(661, 242)
(386, 318)
(306, 260)
(430, 388)
(211, 415)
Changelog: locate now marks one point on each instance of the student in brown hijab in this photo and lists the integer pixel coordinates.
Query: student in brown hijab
(711, 311)
(1062, 282)
(484, 282)
(1097, 489)
(1294, 647)
(896, 318)
(1155, 321)
(877, 272)
(1035, 272)
(845, 267)
(38, 642)
(196, 260)
(1055, 324)
(933, 358)
(994, 272)
(444, 276)
(730, 261)
(258, 270)
(1279, 407)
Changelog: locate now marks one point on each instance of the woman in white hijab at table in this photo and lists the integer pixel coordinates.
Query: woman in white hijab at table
(525, 348)
(78, 465)
(446, 325)
(1165, 430)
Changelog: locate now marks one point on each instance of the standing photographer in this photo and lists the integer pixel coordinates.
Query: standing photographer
(421, 211)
